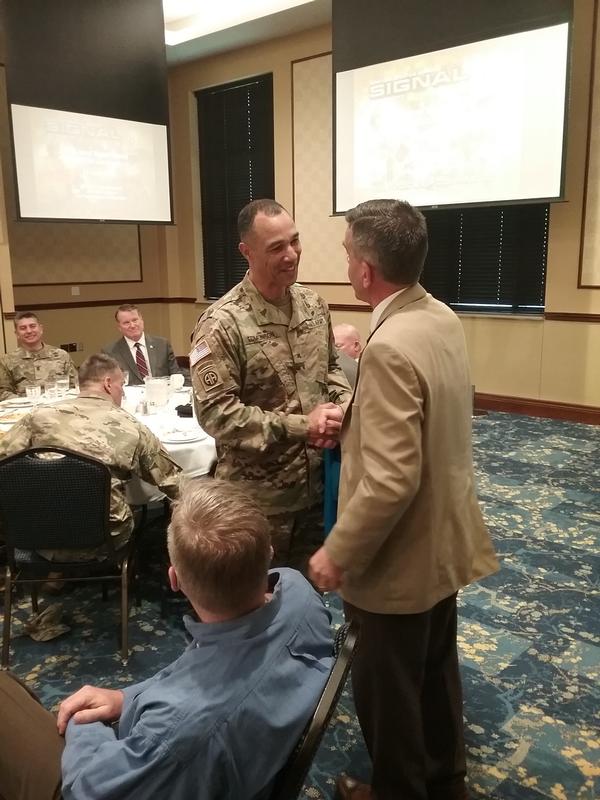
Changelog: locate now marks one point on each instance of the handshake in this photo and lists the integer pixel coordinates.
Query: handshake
(324, 425)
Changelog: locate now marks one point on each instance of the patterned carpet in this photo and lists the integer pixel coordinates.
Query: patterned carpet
(529, 636)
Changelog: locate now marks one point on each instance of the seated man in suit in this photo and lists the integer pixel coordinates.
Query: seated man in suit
(33, 362)
(139, 354)
(223, 718)
(95, 425)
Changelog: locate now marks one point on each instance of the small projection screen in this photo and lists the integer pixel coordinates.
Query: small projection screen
(450, 106)
(87, 91)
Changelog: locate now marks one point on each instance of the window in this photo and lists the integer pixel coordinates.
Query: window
(235, 130)
(488, 259)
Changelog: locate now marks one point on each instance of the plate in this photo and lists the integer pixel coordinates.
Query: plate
(11, 417)
(16, 402)
(183, 437)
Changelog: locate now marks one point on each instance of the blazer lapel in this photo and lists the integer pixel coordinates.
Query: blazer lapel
(152, 356)
(408, 296)
(127, 358)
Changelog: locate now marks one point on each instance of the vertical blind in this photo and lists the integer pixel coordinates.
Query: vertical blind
(235, 130)
(490, 259)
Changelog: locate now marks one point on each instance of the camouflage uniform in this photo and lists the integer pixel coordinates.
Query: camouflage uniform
(23, 368)
(95, 426)
(256, 377)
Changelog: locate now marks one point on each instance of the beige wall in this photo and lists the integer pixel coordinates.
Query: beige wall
(535, 358)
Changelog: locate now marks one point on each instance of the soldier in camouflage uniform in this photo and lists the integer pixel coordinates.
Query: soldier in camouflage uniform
(33, 362)
(95, 425)
(267, 383)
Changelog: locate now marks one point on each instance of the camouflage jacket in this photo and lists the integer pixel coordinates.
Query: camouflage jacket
(255, 380)
(23, 368)
(96, 427)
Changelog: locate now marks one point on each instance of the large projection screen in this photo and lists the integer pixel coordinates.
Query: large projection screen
(478, 123)
(87, 167)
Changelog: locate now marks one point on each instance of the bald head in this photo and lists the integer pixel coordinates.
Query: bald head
(347, 338)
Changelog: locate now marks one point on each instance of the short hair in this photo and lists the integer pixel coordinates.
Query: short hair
(392, 235)
(25, 315)
(96, 367)
(125, 307)
(246, 217)
(219, 544)
(346, 329)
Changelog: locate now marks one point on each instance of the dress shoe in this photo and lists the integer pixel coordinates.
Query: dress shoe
(348, 788)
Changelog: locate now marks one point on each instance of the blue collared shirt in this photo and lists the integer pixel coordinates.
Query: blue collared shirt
(221, 720)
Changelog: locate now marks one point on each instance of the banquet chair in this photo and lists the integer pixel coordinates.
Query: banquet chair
(290, 779)
(52, 498)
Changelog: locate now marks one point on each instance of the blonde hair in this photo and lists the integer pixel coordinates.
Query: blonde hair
(219, 544)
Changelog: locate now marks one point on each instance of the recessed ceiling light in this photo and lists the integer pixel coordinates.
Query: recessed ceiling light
(191, 19)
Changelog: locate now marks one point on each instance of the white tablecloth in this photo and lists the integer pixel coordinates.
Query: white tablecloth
(182, 437)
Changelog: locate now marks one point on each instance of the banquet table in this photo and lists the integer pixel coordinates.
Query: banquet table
(185, 441)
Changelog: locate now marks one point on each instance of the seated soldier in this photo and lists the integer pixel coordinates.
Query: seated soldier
(137, 352)
(222, 719)
(95, 425)
(33, 362)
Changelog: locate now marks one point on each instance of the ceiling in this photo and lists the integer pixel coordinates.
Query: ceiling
(301, 17)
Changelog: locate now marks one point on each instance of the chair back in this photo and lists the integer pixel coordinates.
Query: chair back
(291, 778)
(53, 498)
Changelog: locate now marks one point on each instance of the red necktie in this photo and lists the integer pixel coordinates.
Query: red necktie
(140, 360)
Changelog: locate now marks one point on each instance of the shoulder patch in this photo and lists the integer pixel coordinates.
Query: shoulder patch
(200, 351)
(210, 379)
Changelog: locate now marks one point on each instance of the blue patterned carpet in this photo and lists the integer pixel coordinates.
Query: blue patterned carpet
(529, 636)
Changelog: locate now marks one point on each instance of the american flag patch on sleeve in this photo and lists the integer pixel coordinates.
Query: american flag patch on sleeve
(200, 351)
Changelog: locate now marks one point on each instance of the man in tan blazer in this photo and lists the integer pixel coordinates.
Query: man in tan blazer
(409, 532)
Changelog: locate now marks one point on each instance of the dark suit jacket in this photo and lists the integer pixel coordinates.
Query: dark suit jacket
(160, 354)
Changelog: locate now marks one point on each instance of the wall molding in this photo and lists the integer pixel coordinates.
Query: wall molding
(538, 408)
(559, 316)
(588, 152)
(349, 307)
(551, 316)
(136, 301)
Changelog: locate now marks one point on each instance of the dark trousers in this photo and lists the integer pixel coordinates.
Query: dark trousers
(408, 699)
(295, 536)
(30, 746)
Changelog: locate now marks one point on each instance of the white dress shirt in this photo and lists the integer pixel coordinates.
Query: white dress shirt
(381, 307)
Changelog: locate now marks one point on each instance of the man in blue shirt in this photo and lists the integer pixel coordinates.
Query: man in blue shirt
(222, 719)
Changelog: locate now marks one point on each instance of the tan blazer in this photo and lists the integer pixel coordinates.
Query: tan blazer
(409, 530)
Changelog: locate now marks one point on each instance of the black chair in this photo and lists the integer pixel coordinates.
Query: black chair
(52, 498)
(291, 778)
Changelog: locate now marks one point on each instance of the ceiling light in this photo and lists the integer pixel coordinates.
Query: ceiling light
(191, 19)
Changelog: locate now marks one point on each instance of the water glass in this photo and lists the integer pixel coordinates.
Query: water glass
(62, 386)
(125, 377)
(33, 393)
(50, 391)
(176, 381)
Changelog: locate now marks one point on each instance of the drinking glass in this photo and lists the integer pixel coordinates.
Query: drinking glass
(176, 381)
(125, 377)
(62, 386)
(34, 393)
(50, 391)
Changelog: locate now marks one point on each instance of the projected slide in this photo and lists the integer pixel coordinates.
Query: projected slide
(80, 166)
(482, 122)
